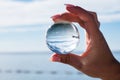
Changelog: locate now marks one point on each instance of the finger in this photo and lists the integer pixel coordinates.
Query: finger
(96, 21)
(95, 17)
(78, 11)
(71, 59)
(56, 17)
(67, 17)
(85, 16)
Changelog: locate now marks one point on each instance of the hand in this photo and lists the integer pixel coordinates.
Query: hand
(97, 60)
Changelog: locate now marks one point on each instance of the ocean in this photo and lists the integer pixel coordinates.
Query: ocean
(37, 66)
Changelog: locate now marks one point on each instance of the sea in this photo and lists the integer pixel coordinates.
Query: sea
(37, 66)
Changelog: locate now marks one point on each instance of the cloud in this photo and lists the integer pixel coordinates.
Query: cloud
(7, 30)
(22, 16)
(16, 13)
(25, 28)
(39, 11)
(107, 18)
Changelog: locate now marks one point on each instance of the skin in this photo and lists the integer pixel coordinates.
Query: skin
(97, 60)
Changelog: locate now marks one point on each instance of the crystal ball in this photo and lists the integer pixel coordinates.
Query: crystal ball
(62, 38)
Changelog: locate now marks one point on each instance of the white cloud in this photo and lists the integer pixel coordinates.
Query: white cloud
(37, 11)
(7, 30)
(16, 13)
(109, 18)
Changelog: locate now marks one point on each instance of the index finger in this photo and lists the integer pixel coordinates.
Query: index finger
(67, 17)
(82, 13)
(89, 20)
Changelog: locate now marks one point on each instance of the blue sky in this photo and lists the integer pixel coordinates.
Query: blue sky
(23, 23)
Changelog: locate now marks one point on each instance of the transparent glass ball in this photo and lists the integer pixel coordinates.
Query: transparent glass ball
(62, 38)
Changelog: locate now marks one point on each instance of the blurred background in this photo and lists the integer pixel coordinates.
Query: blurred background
(24, 54)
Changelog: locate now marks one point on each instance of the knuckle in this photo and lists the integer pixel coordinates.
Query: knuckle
(65, 59)
(93, 14)
(98, 24)
(64, 14)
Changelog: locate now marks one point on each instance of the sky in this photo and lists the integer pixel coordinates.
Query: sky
(23, 23)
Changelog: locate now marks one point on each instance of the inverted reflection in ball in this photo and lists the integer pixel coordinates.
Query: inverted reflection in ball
(62, 38)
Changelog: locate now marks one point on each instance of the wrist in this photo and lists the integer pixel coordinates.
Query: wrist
(113, 73)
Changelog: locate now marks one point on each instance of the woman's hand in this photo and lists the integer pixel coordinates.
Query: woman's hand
(97, 60)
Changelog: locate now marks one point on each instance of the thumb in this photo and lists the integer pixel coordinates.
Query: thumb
(71, 59)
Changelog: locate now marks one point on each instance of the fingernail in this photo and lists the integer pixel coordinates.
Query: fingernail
(69, 5)
(56, 59)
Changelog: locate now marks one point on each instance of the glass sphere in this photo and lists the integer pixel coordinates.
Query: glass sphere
(62, 38)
